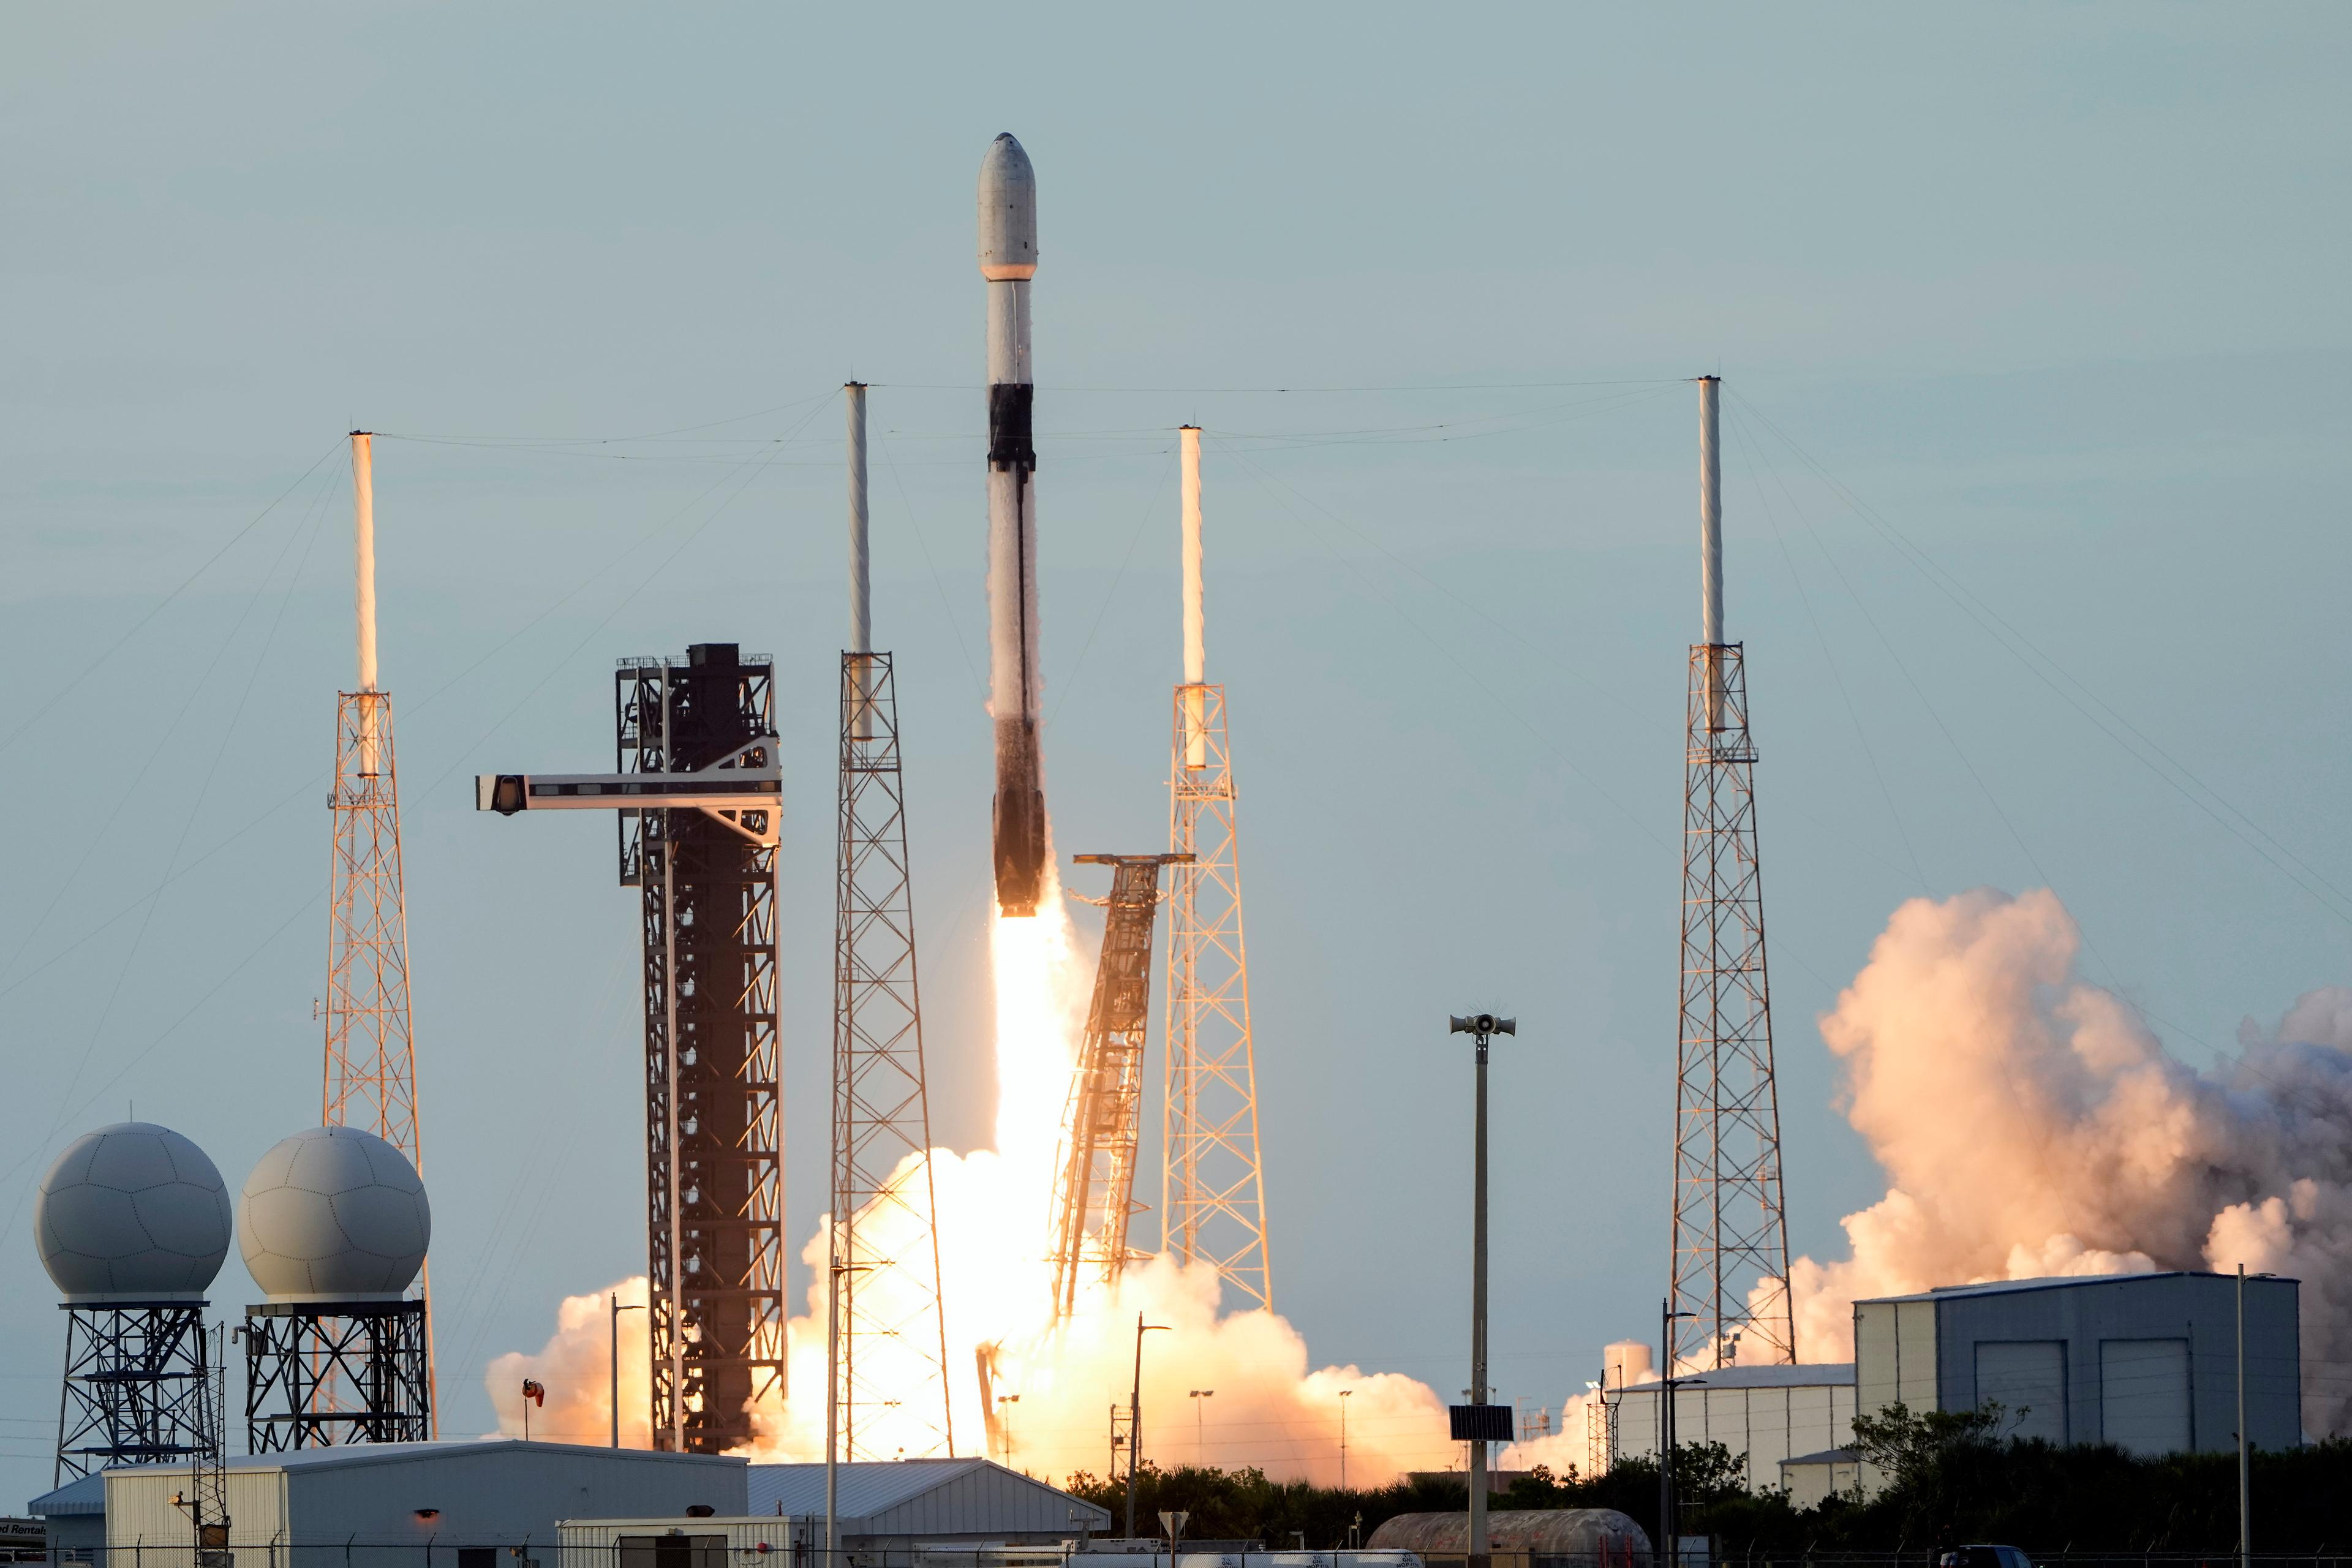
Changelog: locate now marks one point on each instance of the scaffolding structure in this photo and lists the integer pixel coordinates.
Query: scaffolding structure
(1212, 1183)
(134, 1386)
(369, 1356)
(371, 1050)
(699, 797)
(1730, 1245)
(888, 1325)
(207, 1493)
(1095, 1197)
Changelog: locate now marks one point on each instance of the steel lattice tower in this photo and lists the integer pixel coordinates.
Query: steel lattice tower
(370, 1077)
(888, 1325)
(1094, 1198)
(134, 1392)
(1213, 1188)
(1730, 1231)
(699, 797)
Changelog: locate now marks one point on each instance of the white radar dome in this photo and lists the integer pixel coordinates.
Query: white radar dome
(334, 1215)
(132, 1213)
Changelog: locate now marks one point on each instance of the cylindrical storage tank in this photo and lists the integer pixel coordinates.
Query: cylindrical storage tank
(334, 1215)
(134, 1212)
(1596, 1537)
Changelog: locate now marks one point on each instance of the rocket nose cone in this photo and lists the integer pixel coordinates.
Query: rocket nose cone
(1008, 212)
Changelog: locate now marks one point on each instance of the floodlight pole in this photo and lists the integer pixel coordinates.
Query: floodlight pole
(1481, 1027)
(2245, 1470)
(1135, 1419)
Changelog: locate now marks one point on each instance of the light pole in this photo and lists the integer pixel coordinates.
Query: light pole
(1666, 1316)
(1200, 1447)
(1135, 1420)
(837, 1277)
(1004, 1423)
(1477, 1423)
(1343, 1437)
(614, 1301)
(2245, 1470)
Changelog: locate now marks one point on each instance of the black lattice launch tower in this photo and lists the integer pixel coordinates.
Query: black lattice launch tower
(888, 1395)
(1730, 1257)
(1094, 1194)
(698, 791)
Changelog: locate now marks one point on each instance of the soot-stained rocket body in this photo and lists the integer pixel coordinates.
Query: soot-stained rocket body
(1008, 261)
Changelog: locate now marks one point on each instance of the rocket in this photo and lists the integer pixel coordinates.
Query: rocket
(1008, 261)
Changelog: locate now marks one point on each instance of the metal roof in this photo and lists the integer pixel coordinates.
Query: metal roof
(905, 1497)
(1826, 1456)
(2064, 1282)
(86, 1497)
(1838, 1375)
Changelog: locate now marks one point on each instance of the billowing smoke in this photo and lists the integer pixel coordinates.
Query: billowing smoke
(2030, 1124)
(1270, 1407)
(575, 1367)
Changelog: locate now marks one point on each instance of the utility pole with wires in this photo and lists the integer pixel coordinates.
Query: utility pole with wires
(1212, 1183)
(371, 1050)
(888, 1388)
(1729, 1255)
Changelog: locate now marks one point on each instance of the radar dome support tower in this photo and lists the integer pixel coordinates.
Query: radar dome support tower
(371, 1078)
(1212, 1187)
(887, 1393)
(1730, 1244)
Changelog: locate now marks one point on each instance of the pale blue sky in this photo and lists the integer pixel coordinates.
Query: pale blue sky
(2056, 291)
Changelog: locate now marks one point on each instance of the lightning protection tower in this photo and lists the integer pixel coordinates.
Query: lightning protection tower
(887, 1328)
(1731, 1256)
(699, 792)
(1095, 1195)
(370, 1077)
(1212, 1187)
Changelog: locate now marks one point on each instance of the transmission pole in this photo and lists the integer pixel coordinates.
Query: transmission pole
(1212, 1187)
(1730, 1254)
(371, 1080)
(887, 1327)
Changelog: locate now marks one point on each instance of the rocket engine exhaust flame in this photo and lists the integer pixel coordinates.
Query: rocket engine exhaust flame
(1008, 261)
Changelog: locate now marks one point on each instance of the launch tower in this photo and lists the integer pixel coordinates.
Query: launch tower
(1095, 1196)
(1211, 1188)
(888, 1330)
(698, 792)
(371, 1078)
(1731, 1256)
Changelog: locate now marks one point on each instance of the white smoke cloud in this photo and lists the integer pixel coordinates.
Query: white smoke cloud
(2030, 1124)
(575, 1367)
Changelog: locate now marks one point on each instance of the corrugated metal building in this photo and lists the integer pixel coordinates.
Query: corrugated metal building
(1521, 1538)
(886, 1512)
(1767, 1413)
(2146, 1362)
(378, 1505)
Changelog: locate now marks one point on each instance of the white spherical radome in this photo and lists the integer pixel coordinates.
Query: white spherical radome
(334, 1215)
(134, 1212)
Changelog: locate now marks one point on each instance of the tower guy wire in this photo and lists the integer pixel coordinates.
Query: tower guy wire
(1730, 1270)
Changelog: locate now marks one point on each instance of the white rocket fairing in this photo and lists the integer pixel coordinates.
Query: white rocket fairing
(1008, 260)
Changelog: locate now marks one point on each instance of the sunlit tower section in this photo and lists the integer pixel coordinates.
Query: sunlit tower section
(370, 1080)
(1730, 1264)
(1093, 1196)
(1212, 1187)
(699, 795)
(888, 1391)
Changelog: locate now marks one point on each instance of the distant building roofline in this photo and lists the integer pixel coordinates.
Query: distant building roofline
(2062, 1283)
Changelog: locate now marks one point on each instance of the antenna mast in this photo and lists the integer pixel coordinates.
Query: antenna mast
(889, 1330)
(1730, 1253)
(1211, 1187)
(370, 1072)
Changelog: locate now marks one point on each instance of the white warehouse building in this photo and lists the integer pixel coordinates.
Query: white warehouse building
(1767, 1413)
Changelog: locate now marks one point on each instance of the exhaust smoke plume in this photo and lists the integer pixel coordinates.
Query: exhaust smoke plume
(1271, 1407)
(2030, 1124)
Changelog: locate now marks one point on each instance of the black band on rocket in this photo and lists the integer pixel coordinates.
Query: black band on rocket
(1010, 444)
